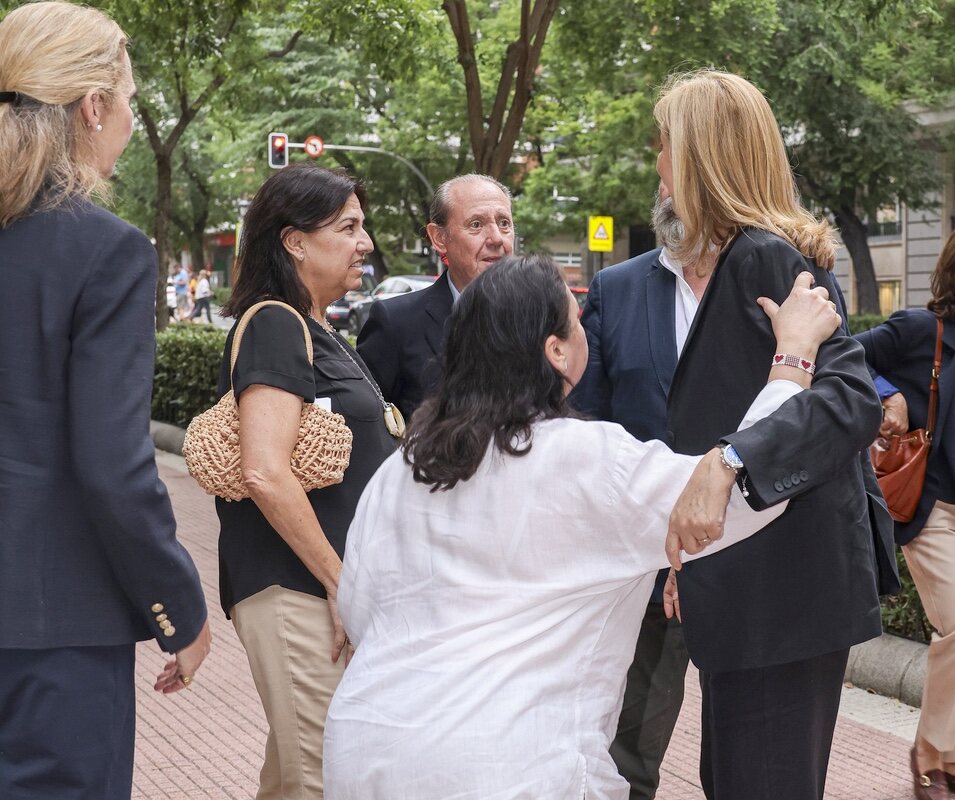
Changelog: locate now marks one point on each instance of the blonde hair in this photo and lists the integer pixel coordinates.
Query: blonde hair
(52, 54)
(730, 168)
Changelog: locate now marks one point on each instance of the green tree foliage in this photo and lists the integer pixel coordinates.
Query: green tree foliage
(841, 80)
(184, 54)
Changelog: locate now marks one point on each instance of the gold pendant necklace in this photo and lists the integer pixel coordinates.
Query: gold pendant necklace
(394, 421)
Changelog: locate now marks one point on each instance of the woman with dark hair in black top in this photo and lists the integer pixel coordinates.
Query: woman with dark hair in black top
(280, 550)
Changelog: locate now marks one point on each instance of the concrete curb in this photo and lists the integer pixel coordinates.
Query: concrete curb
(166, 437)
(889, 666)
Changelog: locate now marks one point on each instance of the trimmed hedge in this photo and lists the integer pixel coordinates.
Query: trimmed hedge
(862, 322)
(188, 358)
(221, 295)
(903, 614)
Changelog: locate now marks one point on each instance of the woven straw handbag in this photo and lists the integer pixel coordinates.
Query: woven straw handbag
(211, 447)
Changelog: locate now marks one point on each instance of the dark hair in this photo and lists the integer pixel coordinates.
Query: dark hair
(441, 202)
(943, 282)
(497, 380)
(303, 197)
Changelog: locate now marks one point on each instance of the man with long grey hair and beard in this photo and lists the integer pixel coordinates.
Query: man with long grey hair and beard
(637, 318)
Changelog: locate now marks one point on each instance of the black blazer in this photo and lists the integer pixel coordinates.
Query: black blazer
(87, 535)
(402, 343)
(807, 584)
(902, 350)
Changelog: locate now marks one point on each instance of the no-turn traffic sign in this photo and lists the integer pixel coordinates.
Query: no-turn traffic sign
(314, 146)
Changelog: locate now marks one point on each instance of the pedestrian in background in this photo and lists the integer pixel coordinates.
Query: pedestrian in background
(183, 306)
(403, 340)
(781, 610)
(902, 350)
(280, 550)
(203, 297)
(89, 562)
(637, 318)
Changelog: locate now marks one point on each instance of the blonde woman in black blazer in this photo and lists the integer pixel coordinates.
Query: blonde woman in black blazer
(770, 622)
(89, 562)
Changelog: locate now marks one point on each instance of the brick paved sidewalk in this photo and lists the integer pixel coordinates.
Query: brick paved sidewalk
(207, 742)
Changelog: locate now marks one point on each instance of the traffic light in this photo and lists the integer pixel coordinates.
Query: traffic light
(278, 150)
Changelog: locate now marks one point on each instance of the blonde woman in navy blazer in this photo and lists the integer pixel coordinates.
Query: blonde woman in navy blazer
(89, 562)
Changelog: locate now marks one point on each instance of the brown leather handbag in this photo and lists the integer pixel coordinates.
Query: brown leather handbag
(900, 467)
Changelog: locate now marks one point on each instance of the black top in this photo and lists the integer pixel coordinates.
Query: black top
(252, 556)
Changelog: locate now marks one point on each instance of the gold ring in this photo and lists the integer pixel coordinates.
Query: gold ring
(704, 540)
(186, 679)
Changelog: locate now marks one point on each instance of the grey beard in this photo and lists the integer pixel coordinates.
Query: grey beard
(666, 224)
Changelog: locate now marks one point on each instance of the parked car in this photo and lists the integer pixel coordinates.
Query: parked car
(580, 295)
(337, 312)
(389, 287)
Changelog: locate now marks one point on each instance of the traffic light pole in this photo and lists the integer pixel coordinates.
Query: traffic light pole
(381, 151)
(402, 159)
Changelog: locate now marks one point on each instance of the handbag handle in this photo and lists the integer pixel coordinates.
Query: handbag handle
(247, 318)
(933, 386)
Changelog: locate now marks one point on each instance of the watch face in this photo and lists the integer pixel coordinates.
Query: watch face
(731, 457)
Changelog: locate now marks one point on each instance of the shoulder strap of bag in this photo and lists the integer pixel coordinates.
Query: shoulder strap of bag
(933, 386)
(247, 318)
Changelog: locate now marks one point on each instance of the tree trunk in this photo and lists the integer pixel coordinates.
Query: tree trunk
(161, 233)
(197, 248)
(857, 243)
(376, 257)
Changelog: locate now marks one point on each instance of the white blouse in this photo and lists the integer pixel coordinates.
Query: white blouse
(495, 622)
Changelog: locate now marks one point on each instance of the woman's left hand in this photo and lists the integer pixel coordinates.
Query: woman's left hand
(341, 638)
(805, 320)
(697, 518)
(895, 416)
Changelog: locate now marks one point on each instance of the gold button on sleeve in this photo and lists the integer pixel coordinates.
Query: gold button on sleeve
(157, 607)
(170, 631)
(161, 617)
(165, 624)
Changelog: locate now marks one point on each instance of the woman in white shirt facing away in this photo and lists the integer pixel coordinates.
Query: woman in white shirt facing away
(496, 566)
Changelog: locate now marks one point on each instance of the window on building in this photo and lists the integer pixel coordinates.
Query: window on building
(887, 222)
(890, 297)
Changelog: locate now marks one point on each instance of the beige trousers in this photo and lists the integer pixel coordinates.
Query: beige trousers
(288, 638)
(931, 560)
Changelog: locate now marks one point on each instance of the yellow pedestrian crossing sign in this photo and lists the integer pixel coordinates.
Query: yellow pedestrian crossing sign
(600, 234)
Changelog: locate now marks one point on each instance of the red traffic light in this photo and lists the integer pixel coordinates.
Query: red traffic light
(278, 152)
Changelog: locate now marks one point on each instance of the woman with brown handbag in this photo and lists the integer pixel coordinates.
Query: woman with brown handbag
(902, 350)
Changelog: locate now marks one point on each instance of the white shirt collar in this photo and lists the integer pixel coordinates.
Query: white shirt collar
(455, 292)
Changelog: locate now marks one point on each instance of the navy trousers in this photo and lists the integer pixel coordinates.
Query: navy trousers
(67, 723)
(767, 732)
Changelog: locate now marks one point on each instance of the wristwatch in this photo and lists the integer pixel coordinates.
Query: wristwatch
(731, 459)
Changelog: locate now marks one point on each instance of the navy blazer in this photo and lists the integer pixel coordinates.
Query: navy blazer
(902, 349)
(629, 320)
(402, 343)
(807, 584)
(88, 551)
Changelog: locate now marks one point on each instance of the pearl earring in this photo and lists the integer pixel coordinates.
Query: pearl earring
(301, 256)
(99, 128)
